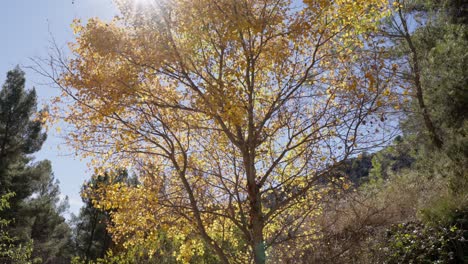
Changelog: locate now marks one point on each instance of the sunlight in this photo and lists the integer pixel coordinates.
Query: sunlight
(136, 8)
(143, 3)
(233, 131)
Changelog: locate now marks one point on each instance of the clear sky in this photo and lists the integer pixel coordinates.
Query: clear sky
(26, 29)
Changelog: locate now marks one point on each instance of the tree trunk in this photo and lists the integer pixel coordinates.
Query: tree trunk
(415, 67)
(256, 216)
(91, 238)
(258, 242)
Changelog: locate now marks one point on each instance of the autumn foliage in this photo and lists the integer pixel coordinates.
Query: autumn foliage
(231, 113)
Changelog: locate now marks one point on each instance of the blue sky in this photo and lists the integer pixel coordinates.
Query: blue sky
(26, 29)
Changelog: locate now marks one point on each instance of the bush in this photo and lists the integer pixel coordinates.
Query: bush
(415, 242)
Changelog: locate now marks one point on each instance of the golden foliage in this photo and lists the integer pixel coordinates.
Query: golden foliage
(229, 111)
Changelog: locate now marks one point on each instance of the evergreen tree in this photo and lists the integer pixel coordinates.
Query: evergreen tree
(50, 233)
(35, 210)
(8, 250)
(440, 48)
(430, 39)
(92, 240)
(20, 135)
(437, 72)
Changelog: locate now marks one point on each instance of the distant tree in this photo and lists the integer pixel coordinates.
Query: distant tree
(392, 159)
(356, 169)
(49, 231)
(92, 239)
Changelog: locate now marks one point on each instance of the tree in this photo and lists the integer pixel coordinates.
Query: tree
(399, 31)
(92, 238)
(8, 250)
(94, 242)
(20, 135)
(34, 212)
(42, 218)
(429, 37)
(416, 190)
(229, 112)
(436, 78)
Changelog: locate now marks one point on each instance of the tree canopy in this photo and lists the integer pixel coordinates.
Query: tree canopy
(34, 212)
(229, 111)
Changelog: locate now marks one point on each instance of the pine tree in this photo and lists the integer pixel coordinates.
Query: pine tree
(9, 252)
(92, 240)
(20, 135)
(35, 209)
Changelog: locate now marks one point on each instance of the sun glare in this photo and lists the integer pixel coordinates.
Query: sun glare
(143, 3)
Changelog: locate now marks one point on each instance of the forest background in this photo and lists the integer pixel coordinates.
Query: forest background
(402, 200)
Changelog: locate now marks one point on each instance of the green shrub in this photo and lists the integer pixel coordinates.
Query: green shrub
(414, 242)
